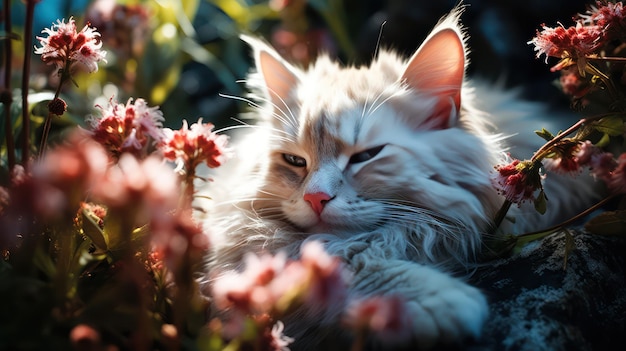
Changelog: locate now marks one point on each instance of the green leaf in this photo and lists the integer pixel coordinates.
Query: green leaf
(608, 223)
(92, 230)
(604, 141)
(541, 203)
(545, 134)
(613, 126)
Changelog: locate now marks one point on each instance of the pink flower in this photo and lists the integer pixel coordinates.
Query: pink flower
(64, 46)
(278, 341)
(250, 291)
(189, 147)
(177, 237)
(617, 179)
(564, 160)
(59, 182)
(385, 316)
(138, 185)
(572, 83)
(327, 279)
(602, 165)
(517, 181)
(608, 15)
(127, 128)
(574, 42)
(273, 284)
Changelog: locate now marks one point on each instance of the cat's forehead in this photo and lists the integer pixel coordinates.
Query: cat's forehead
(333, 84)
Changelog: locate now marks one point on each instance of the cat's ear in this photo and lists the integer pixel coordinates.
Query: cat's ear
(438, 68)
(279, 77)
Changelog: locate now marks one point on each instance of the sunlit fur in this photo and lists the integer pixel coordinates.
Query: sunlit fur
(425, 198)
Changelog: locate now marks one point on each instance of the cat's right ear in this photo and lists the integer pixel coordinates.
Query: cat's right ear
(438, 68)
(279, 77)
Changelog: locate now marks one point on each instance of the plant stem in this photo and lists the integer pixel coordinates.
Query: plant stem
(607, 58)
(572, 219)
(604, 78)
(541, 153)
(7, 98)
(48, 123)
(500, 215)
(28, 44)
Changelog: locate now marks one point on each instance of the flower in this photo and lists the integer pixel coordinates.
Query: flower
(384, 316)
(178, 237)
(564, 160)
(517, 181)
(189, 147)
(127, 128)
(61, 179)
(278, 341)
(617, 179)
(64, 46)
(608, 15)
(273, 284)
(135, 184)
(250, 291)
(602, 165)
(327, 278)
(85, 338)
(573, 84)
(57, 106)
(575, 42)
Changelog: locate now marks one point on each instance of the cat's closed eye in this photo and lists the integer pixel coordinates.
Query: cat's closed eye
(366, 155)
(294, 160)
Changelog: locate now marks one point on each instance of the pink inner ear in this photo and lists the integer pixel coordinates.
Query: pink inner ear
(438, 68)
(279, 78)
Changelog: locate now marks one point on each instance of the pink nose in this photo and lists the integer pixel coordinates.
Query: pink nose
(317, 201)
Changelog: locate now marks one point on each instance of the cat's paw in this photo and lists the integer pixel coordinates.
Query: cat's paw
(443, 310)
(446, 311)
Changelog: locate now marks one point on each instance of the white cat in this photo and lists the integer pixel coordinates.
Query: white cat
(388, 165)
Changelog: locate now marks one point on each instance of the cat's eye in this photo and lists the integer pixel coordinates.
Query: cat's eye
(366, 155)
(294, 160)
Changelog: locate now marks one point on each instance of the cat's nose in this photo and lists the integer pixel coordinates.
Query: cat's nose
(317, 200)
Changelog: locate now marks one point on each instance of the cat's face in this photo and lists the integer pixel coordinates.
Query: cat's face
(352, 149)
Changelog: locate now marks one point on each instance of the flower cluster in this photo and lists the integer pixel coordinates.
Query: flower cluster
(517, 181)
(269, 283)
(589, 77)
(572, 43)
(191, 146)
(127, 128)
(64, 46)
(596, 37)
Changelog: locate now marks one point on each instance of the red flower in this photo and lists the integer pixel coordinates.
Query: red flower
(574, 42)
(127, 128)
(64, 45)
(610, 16)
(572, 83)
(189, 147)
(565, 159)
(517, 181)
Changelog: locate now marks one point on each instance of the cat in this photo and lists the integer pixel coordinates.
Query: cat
(389, 166)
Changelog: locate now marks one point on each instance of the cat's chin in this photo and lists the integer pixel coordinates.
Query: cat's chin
(338, 229)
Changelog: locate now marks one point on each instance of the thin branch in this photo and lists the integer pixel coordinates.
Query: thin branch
(7, 96)
(28, 44)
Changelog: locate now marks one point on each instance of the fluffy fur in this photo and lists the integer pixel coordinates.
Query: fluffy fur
(404, 155)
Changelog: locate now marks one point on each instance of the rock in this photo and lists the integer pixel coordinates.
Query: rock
(539, 303)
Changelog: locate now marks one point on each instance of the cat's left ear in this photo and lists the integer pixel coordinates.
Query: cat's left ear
(438, 68)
